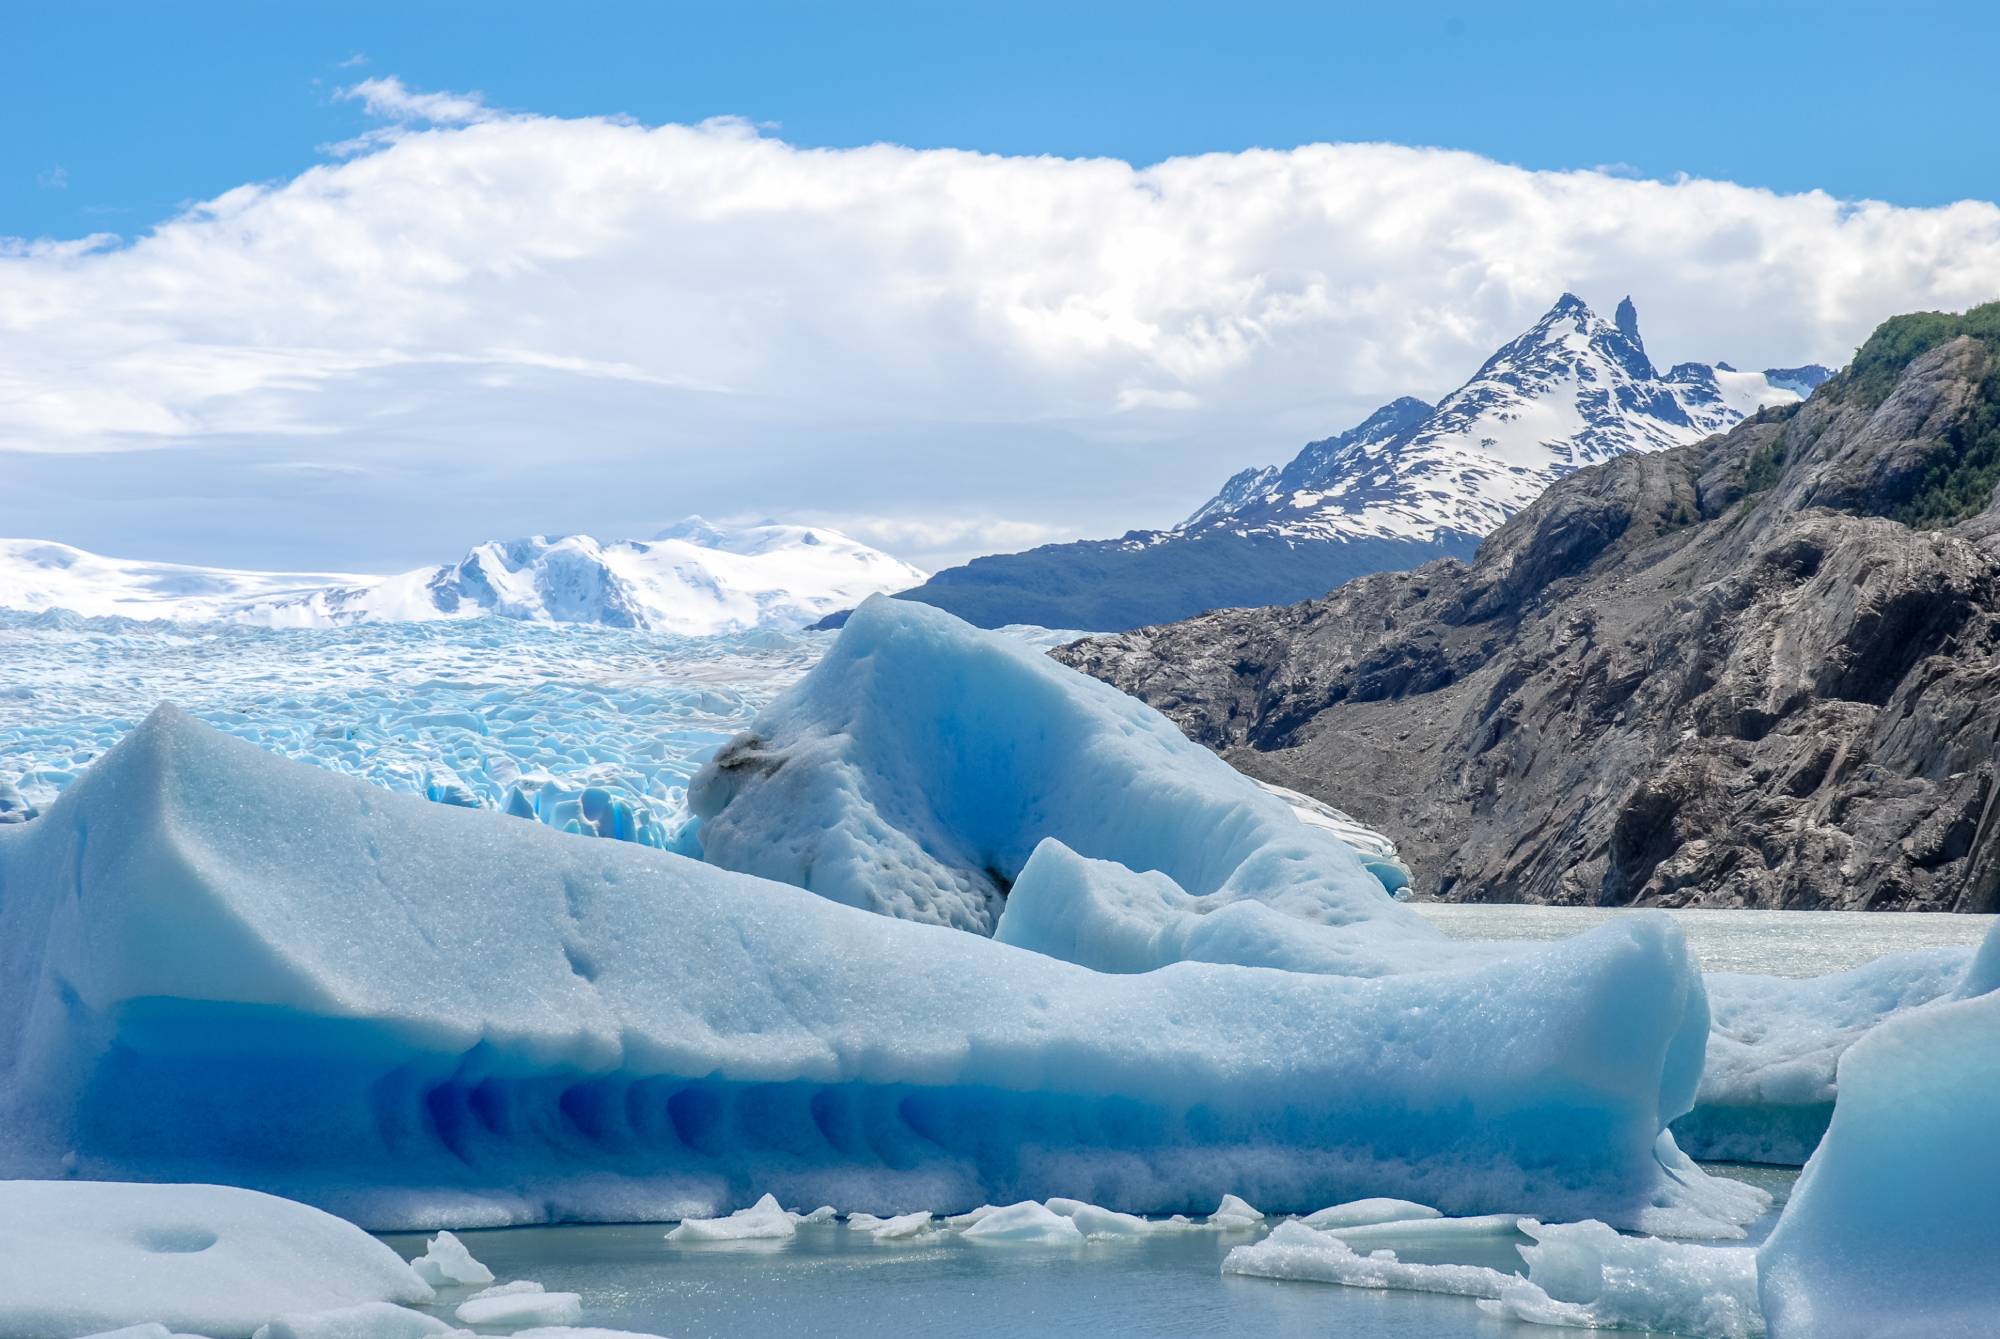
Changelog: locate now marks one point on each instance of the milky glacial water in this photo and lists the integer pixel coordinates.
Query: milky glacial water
(833, 1283)
(1774, 943)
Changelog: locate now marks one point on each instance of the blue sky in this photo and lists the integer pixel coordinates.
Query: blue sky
(384, 280)
(121, 113)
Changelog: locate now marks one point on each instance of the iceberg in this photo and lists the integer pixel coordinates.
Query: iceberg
(1892, 1231)
(369, 1320)
(446, 1263)
(222, 965)
(1365, 1213)
(521, 1303)
(930, 771)
(1025, 1224)
(762, 1221)
(1767, 1088)
(82, 1257)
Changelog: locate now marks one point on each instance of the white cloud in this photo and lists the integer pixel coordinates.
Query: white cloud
(943, 533)
(487, 283)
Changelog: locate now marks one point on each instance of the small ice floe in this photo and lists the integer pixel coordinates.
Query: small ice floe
(825, 1213)
(1095, 1221)
(766, 1220)
(445, 1263)
(152, 1329)
(1582, 1275)
(1026, 1223)
(370, 1320)
(1432, 1231)
(520, 1303)
(903, 1227)
(1234, 1213)
(1363, 1213)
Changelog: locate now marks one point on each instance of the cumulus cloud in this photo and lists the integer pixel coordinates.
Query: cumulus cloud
(700, 288)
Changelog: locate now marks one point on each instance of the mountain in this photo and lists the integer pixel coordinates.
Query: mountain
(693, 578)
(1412, 482)
(1760, 670)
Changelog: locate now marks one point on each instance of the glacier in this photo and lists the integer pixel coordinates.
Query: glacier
(222, 965)
(1893, 1229)
(692, 579)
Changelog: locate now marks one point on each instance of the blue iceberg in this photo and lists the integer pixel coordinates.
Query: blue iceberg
(221, 965)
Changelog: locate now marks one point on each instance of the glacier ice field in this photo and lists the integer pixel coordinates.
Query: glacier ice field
(587, 729)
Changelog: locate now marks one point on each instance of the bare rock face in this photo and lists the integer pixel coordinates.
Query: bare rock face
(1761, 670)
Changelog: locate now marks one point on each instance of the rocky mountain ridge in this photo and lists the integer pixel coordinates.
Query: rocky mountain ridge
(1759, 670)
(1412, 482)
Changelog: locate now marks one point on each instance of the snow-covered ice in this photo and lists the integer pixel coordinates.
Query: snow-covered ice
(369, 1320)
(1894, 1228)
(88, 1256)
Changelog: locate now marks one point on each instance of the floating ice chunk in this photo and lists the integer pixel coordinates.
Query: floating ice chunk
(1297, 1252)
(916, 768)
(1767, 1089)
(1234, 1212)
(1580, 1274)
(1096, 1221)
(370, 1320)
(1891, 1232)
(825, 1213)
(150, 1330)
(186, 983)
(83, 1256)
(578, 1332)
(1026, 1223)
(521, 1303)
(1361, 1213)
(1982, 975)
(763, 1221)
(902, 1227)
(446, 1262)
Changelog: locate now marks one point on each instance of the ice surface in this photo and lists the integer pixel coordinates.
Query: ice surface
(446, 1263)
(1025, 1224)
(1892, 1231)
(593, 730)
(513, 1305)
(1767, 1090)
(902, 1227)
(1096, 1221)
(369, 1320)
(86, 1256)
(763, 1221)
(929, 770)
(222, 963)
(1580, 1275)
(1360, 1213)
(1232, 1211)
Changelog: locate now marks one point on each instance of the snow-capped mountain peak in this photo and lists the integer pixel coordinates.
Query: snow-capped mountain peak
(694, 578)
(1572, 390)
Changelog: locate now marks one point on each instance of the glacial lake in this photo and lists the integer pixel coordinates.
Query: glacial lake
(1774, 943)
(833, 1283)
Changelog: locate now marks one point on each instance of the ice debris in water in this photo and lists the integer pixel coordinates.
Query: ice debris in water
(446, 1262)
(261, 973)
(1583, 1275)
(87, 1256)
(1094, 1220)
(150, 1330)
(1027, 1223)
(1892, 1231)
(1234, 1212)
(370, 1320)
(520, 1303)
(766, 1220)
(1361, 1213)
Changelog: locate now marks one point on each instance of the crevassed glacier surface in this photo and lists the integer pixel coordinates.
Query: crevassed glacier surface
(223, 965)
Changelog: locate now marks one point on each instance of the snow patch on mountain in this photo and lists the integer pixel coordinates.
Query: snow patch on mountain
(693, 579)
(1573, 390)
